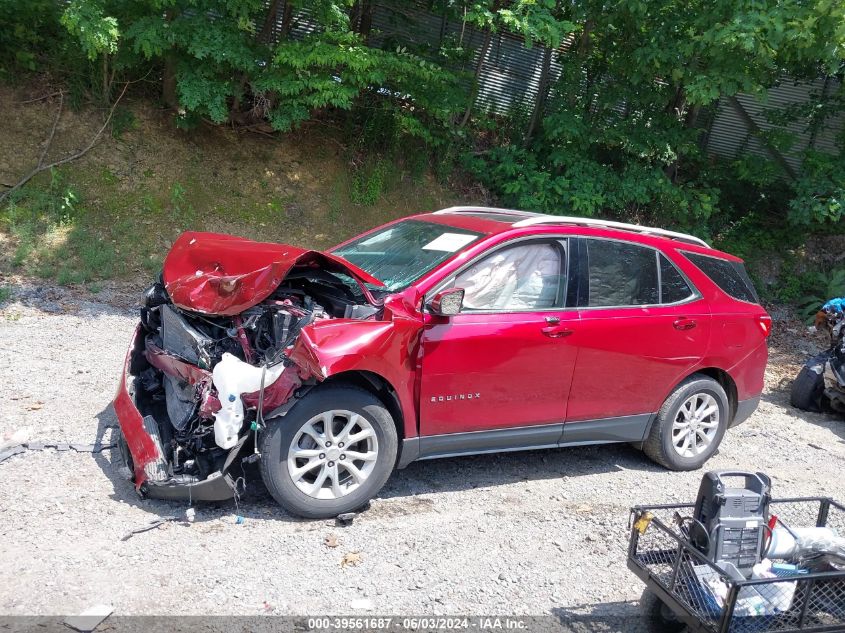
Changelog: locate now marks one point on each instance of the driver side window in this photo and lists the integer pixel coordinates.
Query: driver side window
(522, 277)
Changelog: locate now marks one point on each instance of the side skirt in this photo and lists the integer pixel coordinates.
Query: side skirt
(630, 428)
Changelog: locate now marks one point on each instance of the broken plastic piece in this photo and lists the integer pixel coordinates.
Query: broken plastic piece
(89, 619)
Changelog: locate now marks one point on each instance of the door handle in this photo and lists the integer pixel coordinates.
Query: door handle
(556, 331)
(684, 324)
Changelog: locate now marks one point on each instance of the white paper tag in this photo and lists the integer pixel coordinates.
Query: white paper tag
(751, 524)
(449, 242)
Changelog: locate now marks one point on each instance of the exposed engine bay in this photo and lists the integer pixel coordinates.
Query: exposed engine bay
(203, 383)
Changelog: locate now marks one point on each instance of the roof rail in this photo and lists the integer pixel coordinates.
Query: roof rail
(471, 210)
(647, 230)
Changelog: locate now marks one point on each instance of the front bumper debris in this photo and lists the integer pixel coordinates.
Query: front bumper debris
(145, 455)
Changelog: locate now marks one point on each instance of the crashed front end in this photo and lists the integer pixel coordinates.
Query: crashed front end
(210, 359)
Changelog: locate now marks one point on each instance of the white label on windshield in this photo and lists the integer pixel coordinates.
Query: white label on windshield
(449, 242)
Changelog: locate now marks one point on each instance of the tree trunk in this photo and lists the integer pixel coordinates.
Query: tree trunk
(366, 24)
(106, 81)
(677, 103)
(476, 81)
(168, 82)
(287, 20)
(270, 21)
(540, 99)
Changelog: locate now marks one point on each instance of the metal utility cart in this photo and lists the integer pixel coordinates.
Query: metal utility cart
(682, 578)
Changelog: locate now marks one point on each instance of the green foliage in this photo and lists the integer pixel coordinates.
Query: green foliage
(618, 135)
(822, 287)
(28, 30)
(819, 193)
(98, 34)
(368, 183)
(122, 121)
(621, 134)
(5, 294)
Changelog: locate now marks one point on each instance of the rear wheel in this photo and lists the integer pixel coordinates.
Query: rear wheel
(331, 454)
(690, 425)
(808, 386)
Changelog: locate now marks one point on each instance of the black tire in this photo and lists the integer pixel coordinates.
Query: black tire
(658, 617)
(275, 443)
(658, 445)
(808, 386)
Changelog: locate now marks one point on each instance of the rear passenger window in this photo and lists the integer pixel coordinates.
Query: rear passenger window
(673, 287)
(621, 274)
(731, 277)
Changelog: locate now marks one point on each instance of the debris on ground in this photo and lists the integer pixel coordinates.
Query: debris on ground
(345, 519)
(155, 523)
(351, 559)
(190, 515)
(17, 449)
(330, 541)
(89, 619)
(362, 604)
(13, 438)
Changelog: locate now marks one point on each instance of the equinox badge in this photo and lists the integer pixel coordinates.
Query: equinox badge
(457, 396)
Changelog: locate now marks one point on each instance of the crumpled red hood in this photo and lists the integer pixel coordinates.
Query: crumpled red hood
(222, 274)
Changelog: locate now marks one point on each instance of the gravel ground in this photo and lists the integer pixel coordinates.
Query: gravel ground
(528, 533)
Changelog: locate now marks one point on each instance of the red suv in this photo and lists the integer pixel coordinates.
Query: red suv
(468, 330)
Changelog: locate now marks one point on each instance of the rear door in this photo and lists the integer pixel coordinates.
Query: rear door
(642, 326)
(506, 360)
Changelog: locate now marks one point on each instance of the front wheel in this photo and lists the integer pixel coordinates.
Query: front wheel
(331, 454)
(690, 425)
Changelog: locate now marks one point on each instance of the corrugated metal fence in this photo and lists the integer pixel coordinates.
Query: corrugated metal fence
(742, 124)
(510, 74)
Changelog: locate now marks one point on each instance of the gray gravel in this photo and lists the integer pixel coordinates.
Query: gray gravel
(523, 533)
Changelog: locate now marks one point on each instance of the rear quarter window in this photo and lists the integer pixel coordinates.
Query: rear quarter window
(731, 277)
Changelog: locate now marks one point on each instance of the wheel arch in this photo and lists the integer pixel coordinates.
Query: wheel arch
(728, 384)
(717, 374)
(377, 385)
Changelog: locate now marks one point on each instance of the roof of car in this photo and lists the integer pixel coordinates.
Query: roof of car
(489, 221)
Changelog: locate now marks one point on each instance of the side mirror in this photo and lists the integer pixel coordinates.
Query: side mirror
(447, 302)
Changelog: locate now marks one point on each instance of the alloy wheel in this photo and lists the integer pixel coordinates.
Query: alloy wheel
(332, 454)
(696, 425)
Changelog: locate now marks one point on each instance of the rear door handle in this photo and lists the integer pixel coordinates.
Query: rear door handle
(684, 324)
(556, 331)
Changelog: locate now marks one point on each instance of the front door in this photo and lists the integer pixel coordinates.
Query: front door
(507, 359)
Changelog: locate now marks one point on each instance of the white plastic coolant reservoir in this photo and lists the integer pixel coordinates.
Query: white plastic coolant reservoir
(233, 377)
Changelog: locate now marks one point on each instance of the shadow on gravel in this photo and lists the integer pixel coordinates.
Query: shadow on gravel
(834, 422)
(608, 617)
(425, 477)
(483, 471)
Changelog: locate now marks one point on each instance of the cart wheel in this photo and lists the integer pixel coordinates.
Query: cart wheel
(658, 617)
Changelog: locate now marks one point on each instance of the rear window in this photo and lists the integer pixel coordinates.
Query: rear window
(731, 277)
(673, 287)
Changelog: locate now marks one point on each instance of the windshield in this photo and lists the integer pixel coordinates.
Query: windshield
(403, 252)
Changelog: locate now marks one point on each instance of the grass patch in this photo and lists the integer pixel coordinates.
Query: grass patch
(5, 294)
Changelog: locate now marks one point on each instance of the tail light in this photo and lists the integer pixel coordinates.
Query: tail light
(765, 323)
